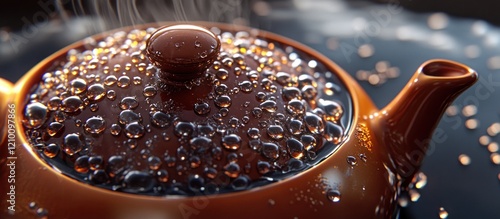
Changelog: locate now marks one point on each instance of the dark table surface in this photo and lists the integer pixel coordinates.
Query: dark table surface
(400, 37)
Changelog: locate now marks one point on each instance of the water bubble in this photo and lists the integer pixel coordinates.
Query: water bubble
(128, 103)
(72, 144)
(162, 119)
(149, 91)
(261, 96)
(201, 108)
(231, 142)
(222, 74)
(333, 195)
(332, 109)
(257, 112)
(82, 164)
(276, 132)
(54, 128)
(184, 129)
(295, 107)
(110, 80)
(309, 141)
(294, 164)
(205, 130)
(216, 153)
(95, 162)
(232, 170)
(94, 107)
(51, 150)
(253, 133)
(123, 81)
(138, 181)
(131, 143)
(314, 123)
(295, 148)
(309, 92)
(194, 161)
(246, 86)
(154, 162)
(99, 177)
(351, 160)
(240, 183)
(96, 92)
(295, 127)
(254, 144)
(35, 115)
(221, 89)
(200, 144)
(196, 183)
(95, 125)
(78, 86)
(54, 103)
(333, 132)
(269, 106)
(136, 80)
(223, 101)
(162, 176)
(290, 93)
(128, 116)
(283, 78)
(305, 79)
(111, 94)
(210, 172)
(115, 129)
(116, 164)
(270, 150)
(134, 130)
(72, 104)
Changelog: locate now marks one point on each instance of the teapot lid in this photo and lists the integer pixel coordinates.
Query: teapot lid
(185, 110)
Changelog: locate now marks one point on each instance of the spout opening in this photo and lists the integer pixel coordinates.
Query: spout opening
(445, 69)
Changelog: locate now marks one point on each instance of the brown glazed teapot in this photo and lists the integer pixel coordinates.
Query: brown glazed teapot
(211, 121)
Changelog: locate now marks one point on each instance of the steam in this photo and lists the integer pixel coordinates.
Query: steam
(110, 14)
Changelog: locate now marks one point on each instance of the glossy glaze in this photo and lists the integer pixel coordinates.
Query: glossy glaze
(368, 188)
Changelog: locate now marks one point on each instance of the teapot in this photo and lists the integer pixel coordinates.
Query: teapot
(205, 120)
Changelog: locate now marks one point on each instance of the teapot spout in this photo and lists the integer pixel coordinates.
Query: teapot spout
(411, 118)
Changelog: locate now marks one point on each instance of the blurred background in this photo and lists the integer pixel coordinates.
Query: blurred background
(380, 43)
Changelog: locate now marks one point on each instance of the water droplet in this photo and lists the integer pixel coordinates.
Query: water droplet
(116, 164)
(290, 93)
(443, 214)
(231, 142)
(154, 162)
(110, 80)
(128, 116)
(295, 148)
(276, 132)
(295, 127)
(131, 143)
(295, 107)
(138, 181)
(333, 195)
(197, 44)
(35, 115)
(269, 106)
(54, 103)
(314, 123)
(82, 164)
(305, 79)
(94, 107)
(261, 96)
(162, 176)
(96, 92)
(351, 160)
(246, 86)
(257, 112)
(201, 108)
(111, 94)
(223, 101)
(333, 132)
(72, 144)
(221, 89)
(59, 116)
(162, 119)
(196, 183)
(210, 172)
(95, 125)
(42, 213)
(206, 130)
(283, 78)
(333, 110)
(123, 81)
(253, 133)
(115, 129)
(200, 144)
(95, 162)
(129, 103)
(134, 130)
(51, 150)
(78, 86)
(270, 150)
(184, 129)
(240, 183)
(222, 74)
(309, 92)
(54, 128)
(363, 157)
(232, 170)
(149, 91)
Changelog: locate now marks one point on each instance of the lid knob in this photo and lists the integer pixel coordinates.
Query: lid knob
(182, 52)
